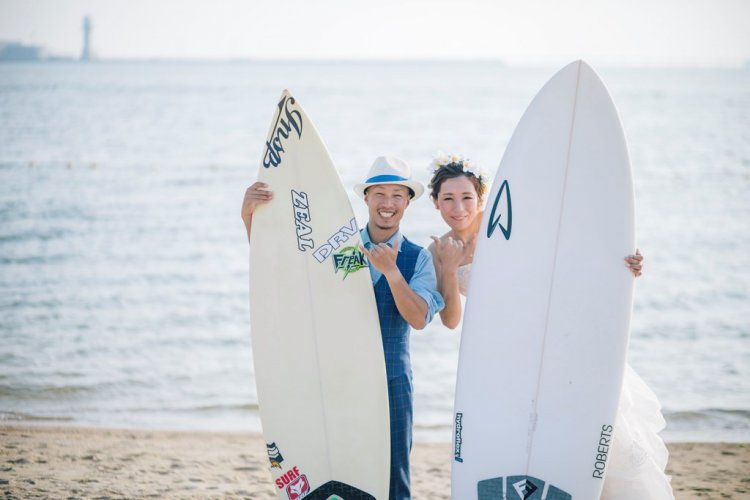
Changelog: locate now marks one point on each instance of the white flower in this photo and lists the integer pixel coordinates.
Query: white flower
(439, 160)
(480, 173)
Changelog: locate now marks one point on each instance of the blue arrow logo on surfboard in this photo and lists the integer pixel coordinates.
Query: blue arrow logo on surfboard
(503, 192)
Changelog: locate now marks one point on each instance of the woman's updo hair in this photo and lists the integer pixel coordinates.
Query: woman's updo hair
(451, 168)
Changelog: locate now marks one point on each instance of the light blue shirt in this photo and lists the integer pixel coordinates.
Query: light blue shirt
(423, 282)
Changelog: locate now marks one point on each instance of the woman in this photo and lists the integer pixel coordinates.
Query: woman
(638, 456)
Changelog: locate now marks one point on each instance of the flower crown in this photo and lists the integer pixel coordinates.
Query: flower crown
(441, 160)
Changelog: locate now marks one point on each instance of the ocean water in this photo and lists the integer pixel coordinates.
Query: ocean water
(123, 259)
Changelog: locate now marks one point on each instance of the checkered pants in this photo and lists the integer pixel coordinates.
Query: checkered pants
(400, 392)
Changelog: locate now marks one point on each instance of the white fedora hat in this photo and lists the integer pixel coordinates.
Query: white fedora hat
(390, 170)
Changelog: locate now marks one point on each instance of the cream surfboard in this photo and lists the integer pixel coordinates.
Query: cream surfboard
(318, 355)
(548, 311)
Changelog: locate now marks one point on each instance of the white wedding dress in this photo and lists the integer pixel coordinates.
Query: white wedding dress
(638, 455)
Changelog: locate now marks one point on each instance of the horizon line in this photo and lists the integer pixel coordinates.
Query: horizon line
(378, 60)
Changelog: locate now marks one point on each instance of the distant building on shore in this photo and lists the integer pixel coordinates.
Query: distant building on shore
(16, 51)
(86, 51)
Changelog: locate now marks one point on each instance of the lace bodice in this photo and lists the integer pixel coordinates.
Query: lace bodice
(464, 272)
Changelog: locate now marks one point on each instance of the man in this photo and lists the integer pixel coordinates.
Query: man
(403, 276)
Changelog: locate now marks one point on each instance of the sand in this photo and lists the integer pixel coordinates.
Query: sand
(69, 462)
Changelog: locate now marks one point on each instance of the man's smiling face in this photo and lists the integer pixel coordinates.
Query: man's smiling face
(386, 204)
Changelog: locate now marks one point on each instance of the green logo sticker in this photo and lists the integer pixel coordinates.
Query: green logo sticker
(349, 259)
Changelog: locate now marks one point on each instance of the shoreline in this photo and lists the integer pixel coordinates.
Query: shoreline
(430, 434)
(38, 461)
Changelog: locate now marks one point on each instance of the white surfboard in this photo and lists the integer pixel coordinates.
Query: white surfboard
(548, 312)
(318, 355)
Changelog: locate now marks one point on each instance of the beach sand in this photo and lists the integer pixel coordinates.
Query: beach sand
(70, 462)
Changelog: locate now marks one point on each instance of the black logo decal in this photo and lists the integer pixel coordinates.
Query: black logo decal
(525, 488)
(458, 441)
(301, 207)
(495, 220)
(602, 451)
(281, 130)
(274, 456)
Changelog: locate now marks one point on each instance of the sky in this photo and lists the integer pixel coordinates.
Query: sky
(519, 32)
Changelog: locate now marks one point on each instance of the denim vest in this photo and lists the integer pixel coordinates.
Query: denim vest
(394, 329)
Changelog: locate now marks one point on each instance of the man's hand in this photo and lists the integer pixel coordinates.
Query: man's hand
(382, 257)
(411, 306)
(635, 263)
(255, 195)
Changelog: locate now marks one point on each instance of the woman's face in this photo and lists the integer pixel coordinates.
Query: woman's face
(458, 202)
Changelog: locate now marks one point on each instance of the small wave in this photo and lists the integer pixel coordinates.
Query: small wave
(193, 409)
(712, 418)
(46, 259)
(208, 408)
(52, 392)
(43, 392)
(11, 416)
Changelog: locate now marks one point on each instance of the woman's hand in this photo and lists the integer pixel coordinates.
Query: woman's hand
(452, 252)
(635, 263)
(448, 254)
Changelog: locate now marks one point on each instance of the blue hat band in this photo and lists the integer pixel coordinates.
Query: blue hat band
(386, 178)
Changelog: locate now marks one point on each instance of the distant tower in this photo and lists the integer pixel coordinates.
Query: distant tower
(86, 52)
